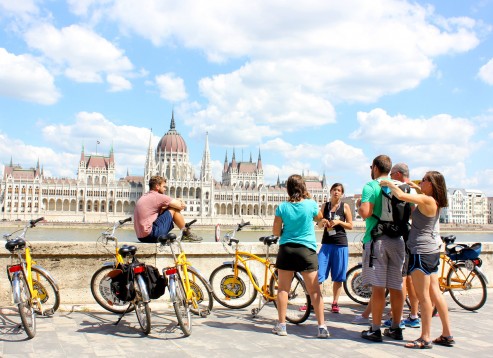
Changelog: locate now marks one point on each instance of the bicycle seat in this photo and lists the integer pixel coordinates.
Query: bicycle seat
(164, 239)
(15, 244)
(127, 250)
(269, 240)
(450, 239)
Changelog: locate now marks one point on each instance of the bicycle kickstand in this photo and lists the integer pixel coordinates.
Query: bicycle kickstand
(261, 303)
(123, 314)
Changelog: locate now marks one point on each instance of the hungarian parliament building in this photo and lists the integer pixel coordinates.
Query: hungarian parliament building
(96, 195)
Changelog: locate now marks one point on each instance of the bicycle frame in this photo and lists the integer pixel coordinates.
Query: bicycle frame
(181, 261)
(244, 257)
(459, 281)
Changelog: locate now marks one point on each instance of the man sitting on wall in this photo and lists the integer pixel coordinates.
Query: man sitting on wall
(156, 212)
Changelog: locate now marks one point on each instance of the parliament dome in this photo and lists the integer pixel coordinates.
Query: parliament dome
(172, 141)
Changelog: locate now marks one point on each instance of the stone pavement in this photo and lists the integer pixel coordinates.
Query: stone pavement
(87, 331)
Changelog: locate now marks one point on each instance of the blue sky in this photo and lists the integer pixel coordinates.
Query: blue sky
(318, 86)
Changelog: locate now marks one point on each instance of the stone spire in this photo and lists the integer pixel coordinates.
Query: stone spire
(205, 171)
(225, 167)
(259, 161)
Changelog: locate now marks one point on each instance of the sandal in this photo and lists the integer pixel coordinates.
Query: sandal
(419, 343)
(445, 341)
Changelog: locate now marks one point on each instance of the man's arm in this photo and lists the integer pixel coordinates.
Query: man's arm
(365, 210)
(177, 204)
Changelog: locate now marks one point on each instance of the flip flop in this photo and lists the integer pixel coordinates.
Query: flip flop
(419, 343)
(445, 341)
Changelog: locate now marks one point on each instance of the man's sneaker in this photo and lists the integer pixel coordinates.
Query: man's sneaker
(412, 322)
(335, 308)
(190, 237)
(374, 336)
(388, 323)
(395, 333)
(323, 332)
(359, 319)
(280, 330)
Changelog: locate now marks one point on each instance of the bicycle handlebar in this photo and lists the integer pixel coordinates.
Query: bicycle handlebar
(33, 223)
(125, 220)
(242, 225)
(187, 225)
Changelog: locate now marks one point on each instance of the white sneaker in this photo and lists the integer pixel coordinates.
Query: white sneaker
(323, 332)
(280, 330)
(359, 319)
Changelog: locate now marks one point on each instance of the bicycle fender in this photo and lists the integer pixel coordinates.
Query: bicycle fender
(48, 275)
(197, 273)
(16, 289)
(172, 287)
(228, 263)
(108, 264)
(478, 269)
(143, 288)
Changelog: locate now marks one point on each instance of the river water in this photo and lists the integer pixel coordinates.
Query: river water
(126, 234)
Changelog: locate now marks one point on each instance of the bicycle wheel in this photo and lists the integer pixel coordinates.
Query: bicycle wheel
(233, 291)
(354, 288)
(182, 309)
(48, 293)
(102, 293)
(299, 301)
(471, 295)
(143, 313)
(26, 309)
(202, 293)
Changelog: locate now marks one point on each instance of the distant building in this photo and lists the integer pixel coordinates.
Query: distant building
(97, 196)
(465, 206)
(490, 210)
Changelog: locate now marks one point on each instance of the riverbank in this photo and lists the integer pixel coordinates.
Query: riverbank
(358, 226)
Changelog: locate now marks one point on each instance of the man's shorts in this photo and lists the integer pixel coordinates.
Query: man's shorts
(297, 258)
(406, 264)
(160, 227)
(387, 263)
(332, 259)
(427, 263)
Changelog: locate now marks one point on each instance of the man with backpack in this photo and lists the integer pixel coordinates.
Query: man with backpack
(384, 249)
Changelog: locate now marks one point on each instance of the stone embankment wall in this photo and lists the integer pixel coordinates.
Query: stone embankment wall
(73, 263)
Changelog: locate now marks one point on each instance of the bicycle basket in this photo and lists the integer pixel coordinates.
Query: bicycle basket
(464, 252)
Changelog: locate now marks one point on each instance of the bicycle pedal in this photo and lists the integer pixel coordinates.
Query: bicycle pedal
(204, 313)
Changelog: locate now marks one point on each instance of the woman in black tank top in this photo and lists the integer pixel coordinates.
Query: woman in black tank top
(333, 255)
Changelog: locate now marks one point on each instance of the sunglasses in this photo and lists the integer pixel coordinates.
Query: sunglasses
(426, 179)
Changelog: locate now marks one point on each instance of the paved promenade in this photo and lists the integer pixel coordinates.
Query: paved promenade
(86, 331)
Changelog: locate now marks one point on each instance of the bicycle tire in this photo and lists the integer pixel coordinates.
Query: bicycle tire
(26, 309)
(230, 291)
(472, 295)
(353, 286)
(101, 291)
(48, 292)
(143, 312)
(299, 301)
(181, 307)
(202, 292)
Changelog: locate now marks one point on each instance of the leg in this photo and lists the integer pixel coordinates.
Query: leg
(421, 284)
(377, 306)
(396, 306)
(441, 305)
(336, 289)
(413, 299)
(313, 288)
(284, 285)
(178, 218)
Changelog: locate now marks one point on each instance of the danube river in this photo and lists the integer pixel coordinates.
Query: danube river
(126, 234)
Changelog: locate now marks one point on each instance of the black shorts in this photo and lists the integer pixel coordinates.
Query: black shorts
(427, 263)
(297, 258)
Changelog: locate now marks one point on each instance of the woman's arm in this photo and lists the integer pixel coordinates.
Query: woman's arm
(277, 226)
(420, 199)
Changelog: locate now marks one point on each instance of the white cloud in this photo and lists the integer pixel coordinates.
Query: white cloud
(118, 83)
(81, 53)
(19, 7)
(486, 72)
(23, 77)
(171, 87)
(434, 142)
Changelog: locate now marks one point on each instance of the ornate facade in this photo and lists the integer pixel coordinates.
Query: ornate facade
(97, 196)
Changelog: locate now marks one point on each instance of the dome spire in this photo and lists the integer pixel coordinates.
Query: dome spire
(172, 125)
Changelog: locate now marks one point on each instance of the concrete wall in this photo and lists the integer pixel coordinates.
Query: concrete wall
(73, 263)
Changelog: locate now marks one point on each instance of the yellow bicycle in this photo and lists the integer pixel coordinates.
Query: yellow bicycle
(461, 274)
(101, 282)
(34, 290)
(189, 291)
(235, 286)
